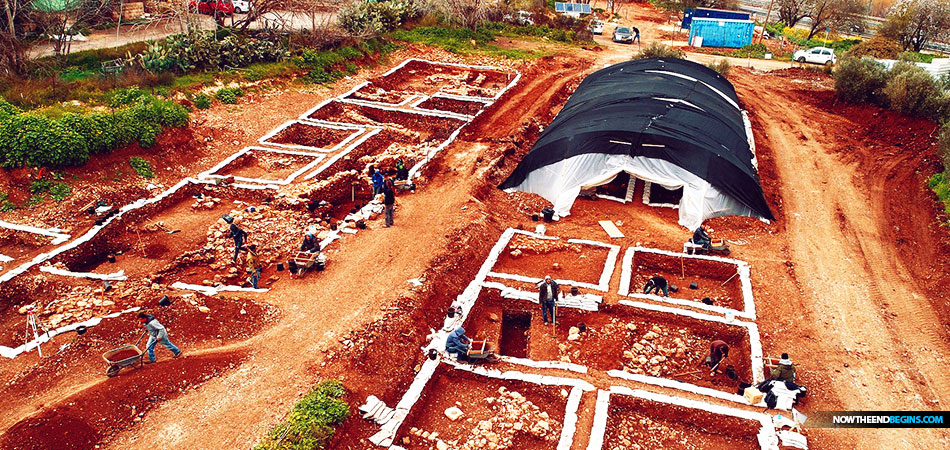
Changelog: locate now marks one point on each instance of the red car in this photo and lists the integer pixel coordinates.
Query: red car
(221, 7)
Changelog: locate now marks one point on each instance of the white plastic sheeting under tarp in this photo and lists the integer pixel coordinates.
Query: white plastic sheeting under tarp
(561, 182)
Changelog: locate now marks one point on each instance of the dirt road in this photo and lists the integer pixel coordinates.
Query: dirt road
(875, 332)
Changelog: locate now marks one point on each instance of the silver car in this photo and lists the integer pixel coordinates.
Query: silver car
(623, 35)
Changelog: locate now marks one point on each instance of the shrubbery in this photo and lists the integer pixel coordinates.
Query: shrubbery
(228, 96)
(877, 47)
(911, 90)
(658, 50)
(33, 140)
(206, 50)
(375, 18)
(202, 101)
(722, 66)
(311, 422)
(142, 167)
(860, 80)
(329, 65)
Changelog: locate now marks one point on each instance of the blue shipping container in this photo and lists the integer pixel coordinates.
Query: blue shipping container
(722, 32)
(689, 14)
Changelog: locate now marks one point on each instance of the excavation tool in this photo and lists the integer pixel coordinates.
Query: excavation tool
(125, 356)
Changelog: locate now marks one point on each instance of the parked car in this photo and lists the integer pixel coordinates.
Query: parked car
(221, 7)
(817, 55)
(242, 6)
(597, 27)
(623, 35)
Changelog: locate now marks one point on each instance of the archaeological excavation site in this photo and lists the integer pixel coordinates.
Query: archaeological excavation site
(520, 243)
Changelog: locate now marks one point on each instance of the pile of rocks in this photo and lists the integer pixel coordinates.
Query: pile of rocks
(205, 202)
(640, 432)
(514, 415)
(521, 244)
(335, 188)
(81, 303)
(276, 232)
(662, 350)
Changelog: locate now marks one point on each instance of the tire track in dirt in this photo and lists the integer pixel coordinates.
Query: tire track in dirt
(851, 276)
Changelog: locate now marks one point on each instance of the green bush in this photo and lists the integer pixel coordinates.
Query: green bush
(5, 204)
(7, 110)
(658, 50)
(722, 66)
(940, 184)
(943, 146)
(202, 101)
(35, 200)
(207, 50)
(876, 47)
(374, 18)
(40, 186)
(141, 167)
(311, 422)
(126, 96)
(228, 96)
(59, 191)
(752, 51)
(911, 90)
(33, 140)
(860, 80)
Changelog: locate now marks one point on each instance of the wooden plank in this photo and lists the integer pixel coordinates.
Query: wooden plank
(610, 228)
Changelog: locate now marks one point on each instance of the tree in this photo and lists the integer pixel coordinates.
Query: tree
(467, 13)
(790, 12)
(12, 21)
(914, 23)
(832, 14)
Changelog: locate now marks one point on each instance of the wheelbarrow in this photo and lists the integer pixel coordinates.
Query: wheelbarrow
(125, 356)
(481, 351)
(304, 261)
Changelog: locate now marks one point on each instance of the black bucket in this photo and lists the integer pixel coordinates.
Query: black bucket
(535, 218)
(280, 267)
(693, 285)
(81, 330)
(574, 290)
(111, 257)
(227, 218)
(165, 301)
(333, 226)
(450, 313)
(292, 265)
(548, 214)
(321, 266)
(707, 301)
(361, 224)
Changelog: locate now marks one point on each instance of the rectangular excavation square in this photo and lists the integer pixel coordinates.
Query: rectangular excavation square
(414, 127)
(452, 105)
(724, 281)
(304, 135)
(372, 93)
(528, 259)
(618, 337)
(264, 165)
(495, 414)
(429, 78)
(637, 423)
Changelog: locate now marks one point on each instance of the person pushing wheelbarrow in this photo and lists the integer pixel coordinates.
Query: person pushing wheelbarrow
(156, 333)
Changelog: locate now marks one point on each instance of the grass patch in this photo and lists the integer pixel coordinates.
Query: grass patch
(312, 421)
(60, 191)
(463, 41)
(940, 184)
(141, 167)
(5, 204)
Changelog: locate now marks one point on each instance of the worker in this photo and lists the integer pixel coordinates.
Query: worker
(378, 182)
(310, 243)
(458, 342)
(785, 371)
(402, 173)
(657, 283)
(236, 233)
(636, 35)
(253, 264)
(547, 294)
(389, 201)
(156, 333)
(700, 237)
(718, 351)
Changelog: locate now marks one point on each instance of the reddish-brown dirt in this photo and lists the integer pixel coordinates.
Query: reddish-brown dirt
(836, 280)
(715, 280)
(424, 128)
(425, 78)
(642, 424)
(536, 258)
(310, 135)
(265, 165)
(452, 105)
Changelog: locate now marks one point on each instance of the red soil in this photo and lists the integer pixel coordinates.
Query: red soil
(310, 135)
(452, 105)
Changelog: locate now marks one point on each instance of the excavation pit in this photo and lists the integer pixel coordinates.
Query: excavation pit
(417, 128)
(715, 279)
(659, 344)
(529, 259)
(263, 165)
(429, 78)
(515, 326)
(515, 414)
(636, 423)
(310, 136)
(468, 108)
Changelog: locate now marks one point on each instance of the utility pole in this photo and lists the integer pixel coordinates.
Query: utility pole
(768, 14)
